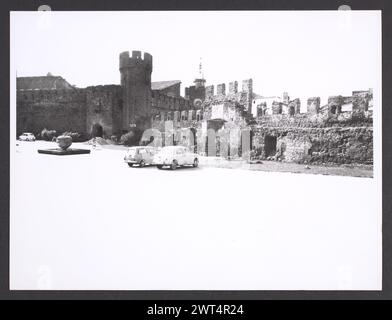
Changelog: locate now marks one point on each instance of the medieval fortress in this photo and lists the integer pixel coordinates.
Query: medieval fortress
(339, 132)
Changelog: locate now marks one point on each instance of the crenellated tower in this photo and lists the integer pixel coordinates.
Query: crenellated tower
(136, 89)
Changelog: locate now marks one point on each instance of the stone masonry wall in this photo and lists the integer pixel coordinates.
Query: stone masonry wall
(161, 102)
(60, 110)
(319, 120)
(339, 145)
(104, 107)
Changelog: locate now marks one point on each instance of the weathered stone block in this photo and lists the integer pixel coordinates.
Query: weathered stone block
(313, 105)
(209, 91)
(221, 89)
(247, 85)
(233, 87)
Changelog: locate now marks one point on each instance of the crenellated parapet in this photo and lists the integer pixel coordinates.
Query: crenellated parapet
(209, 92)
(294, 107)
(362, 100)
(233, 87)
(243, 97)
(136, 60)
(221, 89)
(270, 106)
(338, 108)
(313, 105)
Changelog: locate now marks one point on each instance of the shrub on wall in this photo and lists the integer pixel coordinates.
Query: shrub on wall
(76, 136)
(48, 135)
(114, 139)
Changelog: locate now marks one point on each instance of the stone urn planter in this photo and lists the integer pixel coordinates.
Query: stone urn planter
(64, 142)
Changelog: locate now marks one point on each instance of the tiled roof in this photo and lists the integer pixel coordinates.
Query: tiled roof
(48, 82)
(160, 85)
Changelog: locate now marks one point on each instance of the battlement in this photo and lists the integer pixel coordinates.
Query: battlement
(221, 89)
(135, 60)
(210, 91)
(361, 102)
(313, 105)
(247, 87)
(233, 87)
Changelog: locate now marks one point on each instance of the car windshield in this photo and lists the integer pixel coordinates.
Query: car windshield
(132, 151)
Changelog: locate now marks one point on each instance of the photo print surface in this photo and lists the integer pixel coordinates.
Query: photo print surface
(190, 150)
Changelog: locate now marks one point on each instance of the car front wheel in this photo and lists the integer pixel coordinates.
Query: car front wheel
(195, 162)
(174, 165)
(159, 166)
(130, 164)
(142, 164)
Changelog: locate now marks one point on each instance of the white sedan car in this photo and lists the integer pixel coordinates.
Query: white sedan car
(27, 136)
(174, 157)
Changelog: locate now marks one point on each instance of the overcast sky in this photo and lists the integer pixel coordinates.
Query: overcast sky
(305, 53)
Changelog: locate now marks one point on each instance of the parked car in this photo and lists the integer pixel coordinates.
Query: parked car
(27, 136)
(174, 157)
(140, 155)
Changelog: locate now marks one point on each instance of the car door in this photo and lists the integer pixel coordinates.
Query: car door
(180, 156)
(149, 155)
(143, 155)
(189, 157)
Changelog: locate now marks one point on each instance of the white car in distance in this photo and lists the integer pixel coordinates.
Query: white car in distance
(27, 136)
(174, 157)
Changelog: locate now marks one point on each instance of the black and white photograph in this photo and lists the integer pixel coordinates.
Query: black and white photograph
(195, 150)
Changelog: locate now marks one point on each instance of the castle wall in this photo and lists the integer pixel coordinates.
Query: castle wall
(321, 120)
(161, 102)
(195, 92)
(314, 137)
(339, 145)
(322, 135)
(104, 107)
(60, 110)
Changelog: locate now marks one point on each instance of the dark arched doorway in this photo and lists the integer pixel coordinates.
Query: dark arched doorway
(96, 130)
(270, 145)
